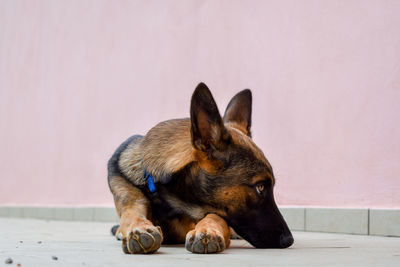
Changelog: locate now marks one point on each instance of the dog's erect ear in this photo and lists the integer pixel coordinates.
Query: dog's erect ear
(207, 129)
(238, 111)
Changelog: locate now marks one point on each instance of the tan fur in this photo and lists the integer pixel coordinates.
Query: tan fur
(132, 206)
(242, 139)
(214, 225)
(128, 197)
(165, 149)
(178, 228)
(210, 166)
(234, 197)
(130, 162)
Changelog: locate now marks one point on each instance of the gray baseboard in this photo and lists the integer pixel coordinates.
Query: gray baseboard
(384, 222)
(101, 214)
(350, 221)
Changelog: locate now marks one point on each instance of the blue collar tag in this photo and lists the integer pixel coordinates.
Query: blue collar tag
(150, 182)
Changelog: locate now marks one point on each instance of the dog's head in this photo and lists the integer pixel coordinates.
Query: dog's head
(238, 178)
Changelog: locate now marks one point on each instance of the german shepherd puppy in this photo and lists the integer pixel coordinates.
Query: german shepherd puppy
(189, 180)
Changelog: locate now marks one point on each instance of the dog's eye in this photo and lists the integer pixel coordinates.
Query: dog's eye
(260, 188)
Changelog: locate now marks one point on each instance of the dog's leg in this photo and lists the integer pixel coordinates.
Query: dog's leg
(137, 232)
(210, 235)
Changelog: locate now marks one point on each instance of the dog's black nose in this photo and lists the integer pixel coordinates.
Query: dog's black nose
(286, 240)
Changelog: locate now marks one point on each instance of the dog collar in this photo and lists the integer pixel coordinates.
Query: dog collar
(150, 182)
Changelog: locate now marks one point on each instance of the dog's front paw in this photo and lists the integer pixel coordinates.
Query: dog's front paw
(205, 241)
(142, 240)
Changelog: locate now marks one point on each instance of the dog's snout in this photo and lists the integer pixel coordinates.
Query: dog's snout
(286, 240)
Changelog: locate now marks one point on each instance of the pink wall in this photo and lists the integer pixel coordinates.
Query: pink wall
(78, 77)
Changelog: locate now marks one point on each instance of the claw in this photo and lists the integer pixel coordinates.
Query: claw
(125, 246)
(119, 236)
(191, 238)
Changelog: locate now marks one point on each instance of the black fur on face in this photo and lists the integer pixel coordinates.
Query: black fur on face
(251, 211)
(262, 225)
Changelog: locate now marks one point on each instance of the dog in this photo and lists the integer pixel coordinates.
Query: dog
(190, 180)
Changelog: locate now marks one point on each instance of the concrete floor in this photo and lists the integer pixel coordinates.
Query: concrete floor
(34, 243)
